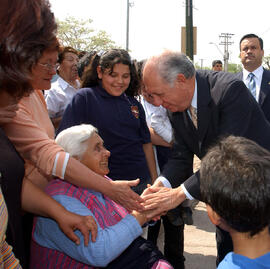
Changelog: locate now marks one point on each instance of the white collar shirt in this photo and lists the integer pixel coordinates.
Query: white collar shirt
(59, 96)
(258, 73)
(157, 118)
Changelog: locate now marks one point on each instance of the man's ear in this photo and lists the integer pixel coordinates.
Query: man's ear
(99, 72)
(180, 78)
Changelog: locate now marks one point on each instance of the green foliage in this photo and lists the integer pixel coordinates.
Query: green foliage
(234, 68)
(77, 33)
(266, 61)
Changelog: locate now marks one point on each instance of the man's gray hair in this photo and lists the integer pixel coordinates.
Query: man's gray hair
(73, 139)
(170, 64)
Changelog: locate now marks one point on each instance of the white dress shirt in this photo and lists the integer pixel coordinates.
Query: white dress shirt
(59, 96)
(157, 118)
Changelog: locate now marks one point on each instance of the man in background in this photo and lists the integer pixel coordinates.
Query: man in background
(217, 65)
(256, 78)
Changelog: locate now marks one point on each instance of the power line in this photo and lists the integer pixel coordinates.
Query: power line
(225, 42)
(129, 4)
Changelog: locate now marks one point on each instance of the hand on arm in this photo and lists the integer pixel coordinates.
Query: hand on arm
(119, 191)
(124, 195)
(36, 201)
(110, 243)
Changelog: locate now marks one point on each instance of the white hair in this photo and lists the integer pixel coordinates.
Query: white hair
(170, 63)
(73, 139)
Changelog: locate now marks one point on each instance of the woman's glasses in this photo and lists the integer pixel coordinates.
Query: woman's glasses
(49, 67)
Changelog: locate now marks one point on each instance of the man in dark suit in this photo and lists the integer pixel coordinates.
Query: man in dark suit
(251, 54)
(223, 106)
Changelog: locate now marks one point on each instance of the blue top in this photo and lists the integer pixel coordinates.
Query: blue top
(236, 261)
(123, 133)
(111, 241)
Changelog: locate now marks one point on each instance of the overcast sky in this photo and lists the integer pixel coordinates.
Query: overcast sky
(156, 24)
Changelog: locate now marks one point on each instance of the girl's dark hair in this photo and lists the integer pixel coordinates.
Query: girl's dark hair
(84, 61)
(108, 61)
(27, 29)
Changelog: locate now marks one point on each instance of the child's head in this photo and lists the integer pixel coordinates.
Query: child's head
(235, 183)
(115, 71)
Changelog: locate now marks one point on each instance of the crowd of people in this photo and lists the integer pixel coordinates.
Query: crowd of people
(96, 147)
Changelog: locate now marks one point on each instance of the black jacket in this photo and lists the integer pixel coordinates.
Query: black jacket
(225, 107)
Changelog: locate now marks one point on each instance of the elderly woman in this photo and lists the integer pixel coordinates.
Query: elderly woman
(28, 57)
(67, 83)
(118, 244)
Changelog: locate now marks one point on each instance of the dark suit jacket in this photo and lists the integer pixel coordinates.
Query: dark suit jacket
(225, 107)
(264, 96)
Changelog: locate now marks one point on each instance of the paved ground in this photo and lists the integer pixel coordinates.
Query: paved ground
(200, 244)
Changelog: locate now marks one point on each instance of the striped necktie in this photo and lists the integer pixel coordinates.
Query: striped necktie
(193, 114)
(252, 84)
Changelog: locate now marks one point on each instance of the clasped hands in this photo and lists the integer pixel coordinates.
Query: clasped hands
(159, 199)
(154, 202)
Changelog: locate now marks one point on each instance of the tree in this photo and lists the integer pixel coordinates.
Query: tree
(234, 68)
(77, 33)
(266, 61)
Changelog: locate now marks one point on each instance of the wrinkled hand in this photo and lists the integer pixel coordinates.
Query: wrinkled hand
(69, 222)
(148, 190)
(161, 199)
(125, 196)
(7, 113)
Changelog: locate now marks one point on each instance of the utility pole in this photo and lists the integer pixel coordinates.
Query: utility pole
(127, 33)
(226, 37)
(201, 63)
(189, 29)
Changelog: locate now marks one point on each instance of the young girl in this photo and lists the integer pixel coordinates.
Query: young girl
(107, 102)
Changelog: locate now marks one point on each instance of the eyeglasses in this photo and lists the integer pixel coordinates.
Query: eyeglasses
(71, 59)
(49, 67)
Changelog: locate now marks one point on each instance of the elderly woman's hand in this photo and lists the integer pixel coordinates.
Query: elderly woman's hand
(69, 222)
(161, 199)
(125, 196)
(7, 113)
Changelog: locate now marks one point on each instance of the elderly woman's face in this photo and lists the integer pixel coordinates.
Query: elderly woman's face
(68, 69)
(44, 70)
(96, 155)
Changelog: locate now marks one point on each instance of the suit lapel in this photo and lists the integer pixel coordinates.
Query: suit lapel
(265, 87)
(203, 109)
